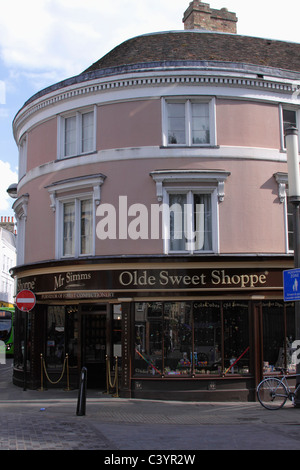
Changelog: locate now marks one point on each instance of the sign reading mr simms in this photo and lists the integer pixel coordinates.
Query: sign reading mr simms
(133, 280)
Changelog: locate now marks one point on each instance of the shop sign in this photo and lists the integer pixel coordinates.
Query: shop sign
(97, 284)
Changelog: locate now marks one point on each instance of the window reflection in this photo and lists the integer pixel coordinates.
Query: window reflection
(176, 339)
(207, 337)
(236, 337)
(278, 336)
(62, 336)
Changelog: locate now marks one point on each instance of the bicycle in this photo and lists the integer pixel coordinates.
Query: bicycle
(273, 392)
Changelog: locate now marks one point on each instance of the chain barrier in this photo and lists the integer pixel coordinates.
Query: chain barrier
(65, 366)
(109, 385)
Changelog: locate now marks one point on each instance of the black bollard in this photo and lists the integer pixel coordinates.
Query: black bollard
(81, 402)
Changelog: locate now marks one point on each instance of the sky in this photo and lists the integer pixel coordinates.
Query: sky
(45, 41)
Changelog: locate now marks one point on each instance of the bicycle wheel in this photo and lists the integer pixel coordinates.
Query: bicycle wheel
(272, 393)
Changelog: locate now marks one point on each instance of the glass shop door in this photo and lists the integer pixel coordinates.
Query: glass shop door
(93, 344)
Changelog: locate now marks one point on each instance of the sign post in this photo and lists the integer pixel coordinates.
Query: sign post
(291, 285)
(25, 301)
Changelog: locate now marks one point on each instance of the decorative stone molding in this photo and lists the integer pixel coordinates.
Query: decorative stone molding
(93, 182)
(282, 180)
(218, 177)
(20, 207)
(125, 81)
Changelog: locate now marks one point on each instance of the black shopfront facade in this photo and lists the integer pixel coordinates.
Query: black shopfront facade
(182, 328)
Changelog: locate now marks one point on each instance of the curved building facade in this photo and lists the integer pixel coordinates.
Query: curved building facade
(153, 222)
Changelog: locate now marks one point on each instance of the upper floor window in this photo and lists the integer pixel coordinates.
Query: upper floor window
(191, 221)
(289, 118)
(77, 133)
(189, 122)
(75, 214)
(190, 208)
(22, 156)
(77, 227)
(282, 181)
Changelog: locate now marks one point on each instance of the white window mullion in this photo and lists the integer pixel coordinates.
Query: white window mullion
(212, 122)
(188, 123)
(77, 227)
(78, 133)
(189, 223)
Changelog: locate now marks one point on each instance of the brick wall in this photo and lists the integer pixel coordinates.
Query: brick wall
(199, 15)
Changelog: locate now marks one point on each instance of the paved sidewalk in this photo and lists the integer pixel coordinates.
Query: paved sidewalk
(33, 420)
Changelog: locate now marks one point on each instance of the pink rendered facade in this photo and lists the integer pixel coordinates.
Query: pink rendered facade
(248, 145)
(153, 217)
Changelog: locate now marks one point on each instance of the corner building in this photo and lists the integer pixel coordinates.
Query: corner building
(153, 222)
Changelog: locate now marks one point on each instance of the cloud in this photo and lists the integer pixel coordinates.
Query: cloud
(69, 35)
(7, 177)
(2, 92)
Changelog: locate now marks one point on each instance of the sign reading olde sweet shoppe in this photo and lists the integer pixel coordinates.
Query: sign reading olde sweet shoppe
(100, 283)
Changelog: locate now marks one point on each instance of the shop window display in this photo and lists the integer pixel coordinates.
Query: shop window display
(177, 339)
(148, 338)
(236, 337)
(62, 336)
(24, 323)
(278, 335)
(207, 338)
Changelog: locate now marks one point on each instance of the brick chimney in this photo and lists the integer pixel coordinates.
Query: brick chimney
(8, 224)
(199, 15)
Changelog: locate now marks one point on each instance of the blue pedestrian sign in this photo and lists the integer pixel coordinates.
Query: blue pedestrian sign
(291, 285)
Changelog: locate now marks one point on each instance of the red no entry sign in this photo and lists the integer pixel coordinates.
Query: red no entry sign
(25, 300)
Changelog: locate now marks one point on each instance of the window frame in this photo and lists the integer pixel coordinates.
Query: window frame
(200, 181)
(83, 188)
(190, 191)
(188, 101)
(77, 200)
(61, 137)
(283, 108)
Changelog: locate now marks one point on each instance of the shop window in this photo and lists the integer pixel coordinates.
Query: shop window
(278, 336)
(236, 337)
(77, 133)
(71, 323)
(177, 339)
(55, 346)
(189, 122)
(207, 338)
(148, 339)
(117, 331)
(22, 330)
(62, 336)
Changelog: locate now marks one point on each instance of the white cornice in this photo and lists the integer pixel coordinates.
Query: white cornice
(152, 85)
(142, 153)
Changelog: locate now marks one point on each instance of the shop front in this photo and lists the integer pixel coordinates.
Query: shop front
(181, 328)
